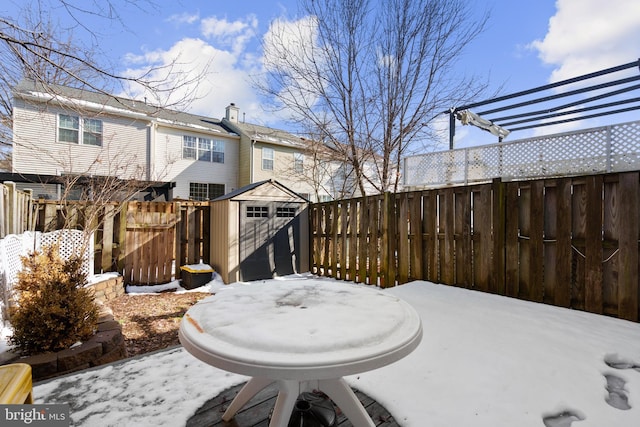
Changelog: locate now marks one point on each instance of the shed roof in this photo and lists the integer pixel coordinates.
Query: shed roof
(236, 194)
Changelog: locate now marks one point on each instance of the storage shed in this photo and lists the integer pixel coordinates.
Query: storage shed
(259, 231)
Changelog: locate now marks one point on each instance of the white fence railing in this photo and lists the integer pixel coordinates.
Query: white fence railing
(614, 148)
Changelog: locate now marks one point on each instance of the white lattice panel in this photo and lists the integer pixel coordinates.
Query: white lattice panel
(607, 149)
(70, 242)
(625, 147)
(15, 246)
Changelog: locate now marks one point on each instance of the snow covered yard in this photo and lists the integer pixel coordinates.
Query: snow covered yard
(485, 360)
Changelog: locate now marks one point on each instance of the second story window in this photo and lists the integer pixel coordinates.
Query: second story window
(92, 132)
(204, 149)
(267, 158)
(189, 147)
(78, 130)
(298, 162)
(217, 151)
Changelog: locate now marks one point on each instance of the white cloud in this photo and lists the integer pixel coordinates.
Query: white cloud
(234, 34)
(589, 35)
(290, 61)
(291, 38)
(221, 57)
(184, 18)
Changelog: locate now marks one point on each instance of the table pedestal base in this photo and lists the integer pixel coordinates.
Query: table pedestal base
(289, 390)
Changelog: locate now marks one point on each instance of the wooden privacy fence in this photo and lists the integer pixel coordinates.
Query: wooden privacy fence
(16, 210)
(146, 242)
(571, 242)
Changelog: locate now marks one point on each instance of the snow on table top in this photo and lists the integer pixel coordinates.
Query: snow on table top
(302, 323)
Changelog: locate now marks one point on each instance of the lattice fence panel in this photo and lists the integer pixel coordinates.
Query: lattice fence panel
(613, 148)
(625, 147)
(71, 242)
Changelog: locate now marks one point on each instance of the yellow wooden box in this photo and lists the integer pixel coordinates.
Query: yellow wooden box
(16, 386)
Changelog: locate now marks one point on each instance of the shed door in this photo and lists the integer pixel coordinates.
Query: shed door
(269, 235)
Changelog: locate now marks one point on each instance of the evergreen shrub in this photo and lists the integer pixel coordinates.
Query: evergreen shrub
(54, 309)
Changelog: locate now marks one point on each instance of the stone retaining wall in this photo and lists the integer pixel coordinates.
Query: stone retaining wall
(108, 289)
(106, 346)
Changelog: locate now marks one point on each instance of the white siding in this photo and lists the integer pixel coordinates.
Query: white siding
(169, 165)
(36, 149)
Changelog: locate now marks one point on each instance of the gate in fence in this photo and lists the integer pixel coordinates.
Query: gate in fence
(150, 242)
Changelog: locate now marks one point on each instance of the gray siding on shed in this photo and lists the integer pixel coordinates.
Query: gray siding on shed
(259, 232)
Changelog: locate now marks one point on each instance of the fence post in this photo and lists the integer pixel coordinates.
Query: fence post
(387, 255)
(122, 238)
(12, 209)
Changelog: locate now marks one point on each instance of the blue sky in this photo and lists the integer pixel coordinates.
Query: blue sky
(527, 43)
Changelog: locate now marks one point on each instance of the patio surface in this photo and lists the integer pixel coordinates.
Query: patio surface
(485, 360)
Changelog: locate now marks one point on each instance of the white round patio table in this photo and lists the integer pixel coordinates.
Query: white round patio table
(302, 334)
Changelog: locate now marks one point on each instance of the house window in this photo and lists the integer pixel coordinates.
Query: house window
(205, 191)
(92, 132)
(257, 211)
(217, 154)
(204, 149)
(285, 212)
(267, 158)
(298, 162)
(86, 131)
(189, 147)
(68, 128)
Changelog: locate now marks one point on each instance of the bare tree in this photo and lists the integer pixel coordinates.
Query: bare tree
(34, 47)
(371, 76)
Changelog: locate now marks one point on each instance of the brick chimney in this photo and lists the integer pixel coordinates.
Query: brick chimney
(232, 112)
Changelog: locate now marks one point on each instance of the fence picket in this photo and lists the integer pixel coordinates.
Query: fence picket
(402, 239)
(536, 237)
(482, 237)
(593, 245)
(629, 200)
(512, 242)
(463, 236)
(430, 235)
(564, 251)
(415, 228)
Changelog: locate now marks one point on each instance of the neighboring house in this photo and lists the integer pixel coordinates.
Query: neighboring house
(267, 153)
(310, 168)
(60, 131)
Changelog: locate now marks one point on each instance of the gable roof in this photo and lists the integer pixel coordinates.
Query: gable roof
(250, 187)
(82, 99)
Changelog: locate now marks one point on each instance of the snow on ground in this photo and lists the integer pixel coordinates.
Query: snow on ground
(484, 361)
